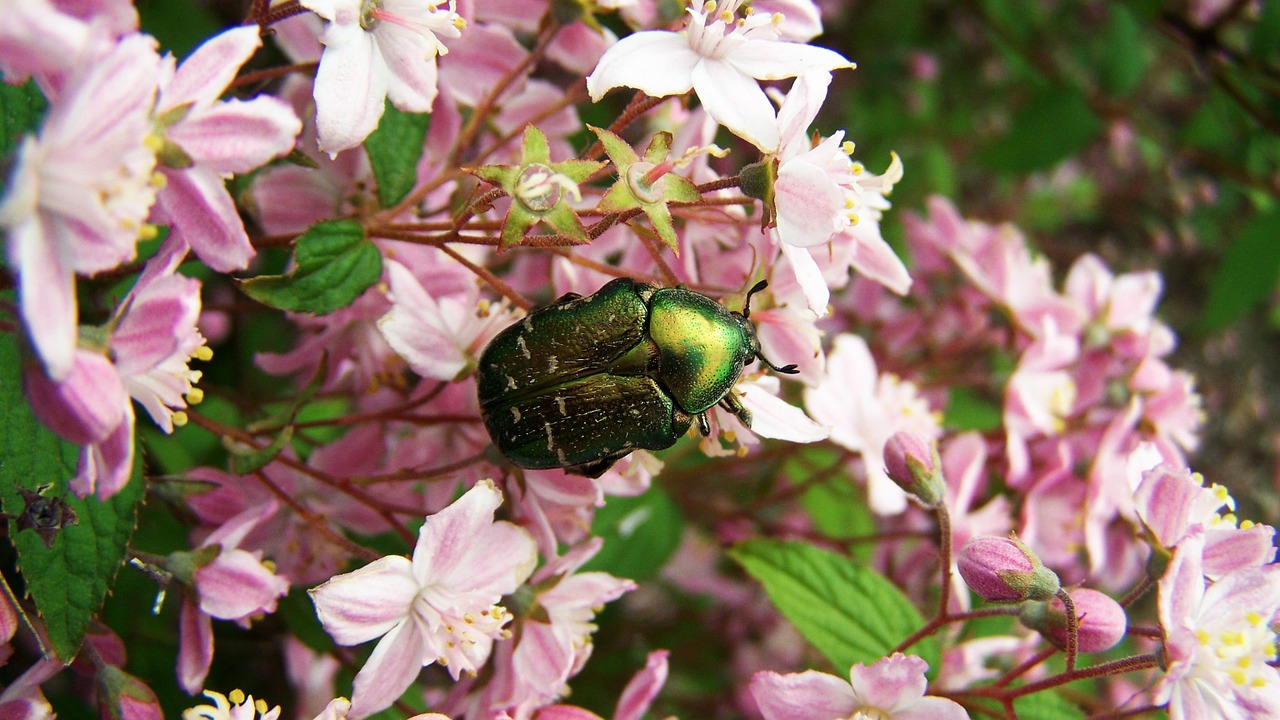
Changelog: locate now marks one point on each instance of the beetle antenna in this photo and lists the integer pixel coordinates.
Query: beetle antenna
(785, 369)
(746, 304)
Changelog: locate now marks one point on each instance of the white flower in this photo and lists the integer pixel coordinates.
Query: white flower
(719, 57)
(374, 50)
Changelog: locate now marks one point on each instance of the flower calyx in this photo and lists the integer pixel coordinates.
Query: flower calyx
(539, 190)
(646, 182)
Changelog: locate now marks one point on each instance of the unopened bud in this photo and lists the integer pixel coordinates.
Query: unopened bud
(123, 697)
(1101, 621)
(1002, 569)
(913, 463)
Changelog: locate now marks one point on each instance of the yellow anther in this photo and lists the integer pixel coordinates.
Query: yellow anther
(1237, 677)
(469, 619)
(203, 353)
(848, 147)
(460, 22)
(153, 143)
(1203, 637)
(1253, 618)
(236, 696)
(195, 396)
(158, 180)
(1246, 524)
(179, 419)
(148, 232)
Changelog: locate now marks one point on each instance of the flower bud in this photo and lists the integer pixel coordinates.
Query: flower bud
(123, 697)
(1101, 623)
(1003, 569)
(913, 463)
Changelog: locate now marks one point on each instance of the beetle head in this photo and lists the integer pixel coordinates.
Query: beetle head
(751, 332)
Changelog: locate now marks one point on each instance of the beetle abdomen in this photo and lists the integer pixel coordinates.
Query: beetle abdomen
(582, 421)
(562, 342)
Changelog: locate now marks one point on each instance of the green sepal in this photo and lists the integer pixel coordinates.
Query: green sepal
(756, 181)
(566, 222)
(623, 195)
(521, 217)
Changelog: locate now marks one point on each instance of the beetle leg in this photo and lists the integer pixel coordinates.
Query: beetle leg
(735, 406)
(704, 425)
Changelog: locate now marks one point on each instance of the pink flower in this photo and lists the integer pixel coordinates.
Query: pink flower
(79, 198)
(1218, 639)
(150, 343)
(821, 196)
(719, 58)
(1173, 503)
(550, 652)
(210, 140)
(50, 40)
(635, 700)
(438, 337)
(441, 606)
(863, 409)
(234, 585)
(374, 52)
(892, 688)
(1101, 620)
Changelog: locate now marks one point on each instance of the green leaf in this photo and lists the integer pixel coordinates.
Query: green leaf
(1053, 126)
(68, 580)
(21, 109)
(1247, 273)
(179, 25)
(394, 150)
(639, 533)
(1046, 705)
(849, 612)
(1266, 33)
(334, 264)
(1124, 55)
(966, 410)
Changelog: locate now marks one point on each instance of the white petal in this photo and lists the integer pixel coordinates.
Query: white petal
(773, 417)
(737, 102)
(657, 62)
(349, 90)
(768, 60)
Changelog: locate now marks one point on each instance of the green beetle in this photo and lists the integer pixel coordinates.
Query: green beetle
(581, 383)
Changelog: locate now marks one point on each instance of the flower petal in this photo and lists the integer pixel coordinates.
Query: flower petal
(349, 93)
(361, 605)
(809, 695)
(389, 671)
(237, 136)
(657, 62)
(198, 206)
(773, 60)
(737, 102)
(207, 72)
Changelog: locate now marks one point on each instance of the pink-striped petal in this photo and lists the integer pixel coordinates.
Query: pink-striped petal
(361, 605)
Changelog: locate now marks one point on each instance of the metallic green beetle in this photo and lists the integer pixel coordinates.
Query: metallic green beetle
(581, 383)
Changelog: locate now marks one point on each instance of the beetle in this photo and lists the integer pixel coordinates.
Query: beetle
(581, 383)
